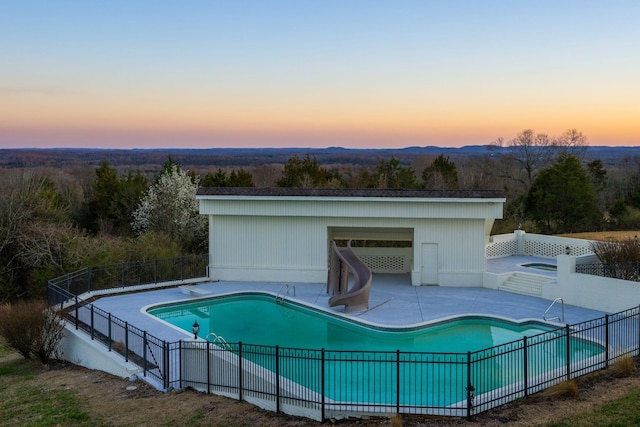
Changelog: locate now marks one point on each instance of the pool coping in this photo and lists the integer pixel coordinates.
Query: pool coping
(393, 302)
(351, 319)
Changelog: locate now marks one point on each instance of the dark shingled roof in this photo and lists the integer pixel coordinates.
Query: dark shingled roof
(347, 192)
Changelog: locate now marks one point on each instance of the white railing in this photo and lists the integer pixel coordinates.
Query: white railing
(386, 260)
(502, 245)
(521, 243)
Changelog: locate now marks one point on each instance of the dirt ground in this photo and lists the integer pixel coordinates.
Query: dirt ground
(115, 400)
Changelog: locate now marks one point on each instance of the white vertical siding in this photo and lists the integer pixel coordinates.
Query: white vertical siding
(256, 239)
(278, 242)
(460, 243)
(290, 242)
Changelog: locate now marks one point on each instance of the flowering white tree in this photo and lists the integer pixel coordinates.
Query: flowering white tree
(170, 206)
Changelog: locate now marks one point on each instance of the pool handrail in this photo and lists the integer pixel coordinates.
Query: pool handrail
(560, 318)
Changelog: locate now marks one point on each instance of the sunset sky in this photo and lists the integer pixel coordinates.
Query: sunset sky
(315, 73)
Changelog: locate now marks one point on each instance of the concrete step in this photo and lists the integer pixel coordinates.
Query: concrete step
(530, 278)
(524, 284)
(522, 289)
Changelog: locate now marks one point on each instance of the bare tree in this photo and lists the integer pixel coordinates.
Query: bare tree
(35, 233)
(572, 142)
(531, 152)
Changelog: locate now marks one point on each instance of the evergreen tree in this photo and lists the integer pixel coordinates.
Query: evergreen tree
(240, 178)
(393, 175)
(307, 173)
(562, 198)
(111, 201)
(441, 174)
(598, 174)
(219, 179)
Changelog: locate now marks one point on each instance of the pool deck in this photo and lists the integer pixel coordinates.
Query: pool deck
(392, 302)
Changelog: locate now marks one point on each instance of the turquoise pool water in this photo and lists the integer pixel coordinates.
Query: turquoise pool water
(257, 319)
(361, 361)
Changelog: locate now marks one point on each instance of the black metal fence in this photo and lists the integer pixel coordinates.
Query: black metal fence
(137, 346)
(369, 382)
(623, 270)
(322, 383)
(129, 274)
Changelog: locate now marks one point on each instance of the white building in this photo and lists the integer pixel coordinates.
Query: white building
(284, 234)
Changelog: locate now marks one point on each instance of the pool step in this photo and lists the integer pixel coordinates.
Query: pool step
(524, 284)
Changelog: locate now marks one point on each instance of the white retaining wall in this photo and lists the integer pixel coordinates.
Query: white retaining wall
(584, 290)
(77, 347)
(589, 291)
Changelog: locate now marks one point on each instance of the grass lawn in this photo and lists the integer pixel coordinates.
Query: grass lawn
(621, 412)
(29, 397)
(25, 402)
(602, 235)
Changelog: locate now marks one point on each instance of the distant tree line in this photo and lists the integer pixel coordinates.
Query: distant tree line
(56, 221)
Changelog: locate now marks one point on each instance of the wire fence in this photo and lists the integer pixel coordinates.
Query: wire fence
(324, 383)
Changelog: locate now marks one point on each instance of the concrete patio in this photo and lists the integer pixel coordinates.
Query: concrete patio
(393, 301)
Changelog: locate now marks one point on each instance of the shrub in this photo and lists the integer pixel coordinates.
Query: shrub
(622, 251)
(619, 257)
(561, 390)
(396, 421)
(623, 368)
(31, 328)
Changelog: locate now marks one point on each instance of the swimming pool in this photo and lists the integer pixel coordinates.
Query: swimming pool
(257, 319)
(425, 366)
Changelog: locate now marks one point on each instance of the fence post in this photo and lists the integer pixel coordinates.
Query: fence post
(144, 353)
(123, 274)
(180, 362)
(322, 385)
(182, 268)
(89, 279)
(525, 364)
(165, 351)
(77, 312)
(606, 340)
(126, 341)
(638, 314)
(208, 368)
(109, 331)
(568, 335)
(155, 271)
(277, 379)
(240, 371)
(92, 334)
(398, 381)
(470, 388)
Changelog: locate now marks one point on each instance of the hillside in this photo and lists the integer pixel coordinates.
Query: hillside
(244, 157)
